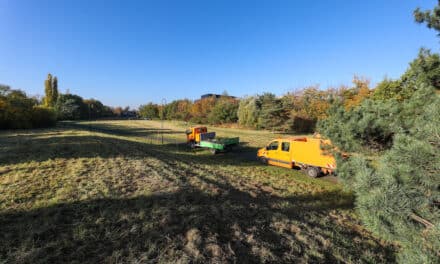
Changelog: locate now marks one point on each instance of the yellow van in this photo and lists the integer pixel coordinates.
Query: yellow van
(305, 153)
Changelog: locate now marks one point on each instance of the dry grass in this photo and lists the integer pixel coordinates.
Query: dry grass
(104, 191)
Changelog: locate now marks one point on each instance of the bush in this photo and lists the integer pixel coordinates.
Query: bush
(299, 124)
(224, 111)
(16, 109)
(19, 111)
(43, 116)
(71, 107)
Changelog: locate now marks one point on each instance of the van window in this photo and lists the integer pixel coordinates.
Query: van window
(273, 146)
(285, 146)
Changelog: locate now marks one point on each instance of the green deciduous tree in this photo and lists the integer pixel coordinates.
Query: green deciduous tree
(149, 110)
(248, 111)
(224, 111)
(271, 115)
(71, 107)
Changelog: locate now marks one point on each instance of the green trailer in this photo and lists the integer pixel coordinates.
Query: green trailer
(217, 145)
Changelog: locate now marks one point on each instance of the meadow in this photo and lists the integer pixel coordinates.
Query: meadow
(110, 191)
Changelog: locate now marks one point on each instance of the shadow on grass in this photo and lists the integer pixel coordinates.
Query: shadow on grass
(118, 130)
(51, 145)
(187, 226)
(213, 221)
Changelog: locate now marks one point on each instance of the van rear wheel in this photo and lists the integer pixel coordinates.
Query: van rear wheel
(312, 172)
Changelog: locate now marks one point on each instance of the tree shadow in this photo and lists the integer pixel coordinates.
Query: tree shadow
(44, 146)
(189, 225)
(119, 130)
(207, 218)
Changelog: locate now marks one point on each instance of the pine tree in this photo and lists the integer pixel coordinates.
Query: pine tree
(48, 90)
(430, 17)
(395, 169)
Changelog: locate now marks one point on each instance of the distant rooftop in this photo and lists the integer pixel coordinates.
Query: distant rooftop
(216, 96)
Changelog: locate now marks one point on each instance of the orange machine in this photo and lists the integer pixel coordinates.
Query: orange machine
(306, 153)
(199, 137)
(193, 133)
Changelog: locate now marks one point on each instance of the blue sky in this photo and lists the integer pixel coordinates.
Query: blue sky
(132, 52)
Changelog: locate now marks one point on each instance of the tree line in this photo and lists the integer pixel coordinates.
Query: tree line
(18, 110)
(297, 111)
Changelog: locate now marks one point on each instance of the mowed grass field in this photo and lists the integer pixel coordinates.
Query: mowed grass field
(109, 191)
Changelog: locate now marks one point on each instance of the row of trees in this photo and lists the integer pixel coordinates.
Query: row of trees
(17, 110)
(298, 111)
(394, 174)
(206, 110)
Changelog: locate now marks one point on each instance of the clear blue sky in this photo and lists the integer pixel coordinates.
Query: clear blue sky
(131, 52)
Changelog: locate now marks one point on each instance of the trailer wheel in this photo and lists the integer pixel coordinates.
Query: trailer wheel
(312, 172)
(214, 151)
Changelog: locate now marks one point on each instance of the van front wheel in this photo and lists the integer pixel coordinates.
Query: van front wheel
(312, 172)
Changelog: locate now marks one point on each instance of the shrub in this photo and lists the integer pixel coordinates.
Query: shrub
(43, 116)
(299, 124)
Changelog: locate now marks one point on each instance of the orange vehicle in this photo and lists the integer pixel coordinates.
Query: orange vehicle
(305, 153)
(194, 134)
(200, 137)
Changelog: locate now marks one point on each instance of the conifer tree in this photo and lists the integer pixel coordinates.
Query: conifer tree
(430, 17)
(395, 161)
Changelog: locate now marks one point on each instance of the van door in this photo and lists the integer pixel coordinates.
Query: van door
(272, 150)
(284, 154)
(278, 154)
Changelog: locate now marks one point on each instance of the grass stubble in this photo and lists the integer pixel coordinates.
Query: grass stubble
(105, 191)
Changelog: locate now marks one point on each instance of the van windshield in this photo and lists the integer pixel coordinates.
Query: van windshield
(273, 145)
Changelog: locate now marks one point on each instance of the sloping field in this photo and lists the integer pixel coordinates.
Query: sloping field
(109, 191)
